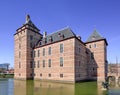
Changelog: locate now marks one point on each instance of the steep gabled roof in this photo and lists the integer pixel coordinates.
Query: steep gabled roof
(95, 36)
(60, 35)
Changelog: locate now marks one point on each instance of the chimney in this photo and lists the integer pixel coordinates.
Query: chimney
(79, 37)
(44, 34)
(27, 18)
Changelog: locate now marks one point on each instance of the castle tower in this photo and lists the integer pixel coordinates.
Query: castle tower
(97, 45)
(25, 39)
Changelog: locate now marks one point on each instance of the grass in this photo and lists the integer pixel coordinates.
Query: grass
(6, 75)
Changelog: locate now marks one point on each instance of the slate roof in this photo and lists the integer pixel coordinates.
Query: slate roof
(29, 22)
(94, 36)
(57, 36)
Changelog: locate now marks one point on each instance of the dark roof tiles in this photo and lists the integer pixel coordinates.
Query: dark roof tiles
(57, 36)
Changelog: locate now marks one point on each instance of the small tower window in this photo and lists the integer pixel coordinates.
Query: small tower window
(94, 45)
(43, 63)
(38, 65)
(90, 46)
(19, 46)
(31, 37)
(92, 55)
(19, 64)
(79, 50)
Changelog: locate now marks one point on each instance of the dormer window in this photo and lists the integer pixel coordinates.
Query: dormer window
(61, 35)
(50, 39)
(93, 37)
(40, 43)
(45, 40)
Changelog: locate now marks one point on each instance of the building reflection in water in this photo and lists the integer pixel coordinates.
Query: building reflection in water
(42, 88)
(22, 87)
(45, 88)
(51, 88)
(101, 90)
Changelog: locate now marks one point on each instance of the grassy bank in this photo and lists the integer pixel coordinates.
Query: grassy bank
(6, 75)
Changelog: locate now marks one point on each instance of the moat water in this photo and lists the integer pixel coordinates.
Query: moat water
(17, 87)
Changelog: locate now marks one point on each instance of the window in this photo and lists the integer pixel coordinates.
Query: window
(31, 64)
(19, 54)
(34, 64)
(34, 53)
(31, 37)
(38, 65)
(38, 53)
(79, 50)
(89, 46)
(49, 51)
(31, 44)
(43, 51)
(92, 55)
(94, 45)
(43, 63)
(19, 38)
(49, 62)
(31, 74)
(40, 75)
(79, 63)
(19, 74)
(61, 48)
(61, 61)
(19, 46)
(19, 65)
(49, 75)
(61, 75)
(31, 54)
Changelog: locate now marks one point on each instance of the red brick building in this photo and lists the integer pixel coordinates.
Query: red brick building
(61, 56)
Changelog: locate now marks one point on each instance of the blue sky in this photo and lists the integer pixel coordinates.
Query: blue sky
(82, 16)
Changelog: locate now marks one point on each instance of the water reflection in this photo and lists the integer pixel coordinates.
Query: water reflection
(42, 88)
(51, 88)
(22, 87)
(6, 86)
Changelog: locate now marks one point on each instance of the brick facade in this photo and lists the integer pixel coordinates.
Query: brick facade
(61, 56)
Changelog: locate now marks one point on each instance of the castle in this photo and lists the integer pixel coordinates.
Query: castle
(61, 56)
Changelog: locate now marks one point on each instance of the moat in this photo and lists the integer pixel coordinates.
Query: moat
(17, 87)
